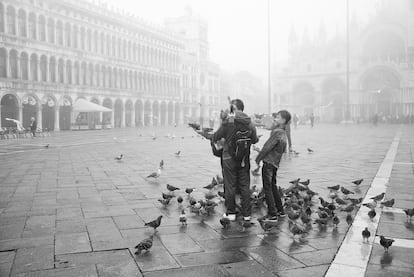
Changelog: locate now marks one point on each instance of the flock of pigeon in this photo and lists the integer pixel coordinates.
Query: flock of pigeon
(298, 204)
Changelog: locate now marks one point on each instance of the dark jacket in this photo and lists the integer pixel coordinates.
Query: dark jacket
(33, 125)
(227, 128)
(273, 148)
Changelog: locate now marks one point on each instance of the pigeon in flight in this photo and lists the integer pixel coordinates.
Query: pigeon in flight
(144, 245)
(177, 154)
(155, 223)
(310, 150)
(118, 158)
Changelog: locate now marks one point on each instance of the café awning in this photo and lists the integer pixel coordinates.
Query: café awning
(82, 105)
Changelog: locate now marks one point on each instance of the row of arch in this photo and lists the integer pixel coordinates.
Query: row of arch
(54, 31)
(52, 69)
(54, 114)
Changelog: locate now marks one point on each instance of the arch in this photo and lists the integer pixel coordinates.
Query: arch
(52, 69)
(22, 23)
(30, 106)
(11, 16)
(303, 96)
(65, 112)
(177, 113)
(9, 109)
(155, 113)
(43, 68)
(13, 64)
(33, 67)
(32, 26)
(24, 66)
(129, 108)
(1, 17)
(42, 28)
(164, 113)
(170, 113)
(3, 63)
(118, 113)
(147, 113)
(139, 107)
(107, 116)
(49, 106)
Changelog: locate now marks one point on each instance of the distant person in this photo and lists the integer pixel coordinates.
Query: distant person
(33, 126)
(312, 119)
(375, 119)
(295, 120)
(271, 155)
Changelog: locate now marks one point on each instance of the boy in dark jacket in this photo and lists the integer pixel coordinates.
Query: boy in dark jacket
(271, 155)
(236, 174)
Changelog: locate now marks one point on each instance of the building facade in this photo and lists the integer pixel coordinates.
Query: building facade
(55, 52)
(381, 68)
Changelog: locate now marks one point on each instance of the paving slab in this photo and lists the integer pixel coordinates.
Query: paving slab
(223, 257)
(247, 269)
(202, 271)
(31, 259)
(72, 243)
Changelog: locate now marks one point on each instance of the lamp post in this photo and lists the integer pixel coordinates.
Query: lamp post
(269, 81)
(347, 112)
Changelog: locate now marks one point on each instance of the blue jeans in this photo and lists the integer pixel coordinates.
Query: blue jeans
(273, 200)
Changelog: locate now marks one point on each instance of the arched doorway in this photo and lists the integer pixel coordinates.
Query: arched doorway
(303, 98)
(170, 113)
(147, 113)
(333, 100)
(163, 113)
(155, 113)
(177, 113)
(107, 116)
(65, 111)
(30, 106)
(381, 83)
(128, 113)
(118, 111)
(48, 113)
(9, 109)
(138, 113)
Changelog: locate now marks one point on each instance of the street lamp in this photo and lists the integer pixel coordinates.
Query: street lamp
(269, 81)
(347, 113)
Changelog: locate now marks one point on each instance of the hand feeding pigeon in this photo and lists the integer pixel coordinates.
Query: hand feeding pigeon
(358, 182)
(146, 245)
(386, 243)
(365, 234)
(155, 223)
(119, 157)
(378, 197)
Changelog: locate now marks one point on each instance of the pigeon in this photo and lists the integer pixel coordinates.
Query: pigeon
(180, 199)
(171, 188)
(386, 243)
(221, 194)
(189, 190)
(155, 223)
(162, 164)
(165, 202)
(365, 234)
(266, 225)
(348, 208)
(225, 222)
(305, 183)
(378, 197)
(177, 154)
(305, 217)
(212, 184)
(295, 182)
(146, 245)
(192, 201)
(166, 196)
(335, 221)
(47, 146)
(358, 182)
(321, 221)
(293, 215)
(323, 214)
(331, 207)
(310, 150)
(296, 229)
(335, 188)
(371, 205)
(409, 213)
(119, 157)
(355, 201)
(155, 174)
(256, 171)
(349, 219)
(346, 191)
(372, 214)
(308, 211)
(210, 195)
(295, 152)
(340, 201)
(324, 203)
(388, 203)
(183, 218)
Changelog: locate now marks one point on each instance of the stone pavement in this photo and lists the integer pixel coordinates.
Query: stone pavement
(71, 210)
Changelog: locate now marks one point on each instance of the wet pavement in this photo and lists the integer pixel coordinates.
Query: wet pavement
(71, 210)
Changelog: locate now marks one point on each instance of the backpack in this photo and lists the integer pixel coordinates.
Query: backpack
(241, 142)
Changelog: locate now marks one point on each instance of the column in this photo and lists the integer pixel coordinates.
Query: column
(173, 114)
(39, 116)
(133, 118)
(142, 121)
(39, 76)
(19, 74)
(151, 117)
(56, 118)
(21, 113)
(0, 116)
(123, 117)
(113, 118)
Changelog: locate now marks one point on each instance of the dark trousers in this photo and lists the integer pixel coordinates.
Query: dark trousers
(236, 178)
(273, 201)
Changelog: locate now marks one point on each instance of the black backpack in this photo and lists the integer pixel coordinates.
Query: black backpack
(241, 142)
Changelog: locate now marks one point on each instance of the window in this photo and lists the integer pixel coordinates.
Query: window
(52, 69)
(76, 74)
(32, 26)
(59, 32)
(43, 72)
(68, 34)
(33, 67)
(69, 72)
(51, 30)
(1, 18)
(3, 68)
(22, 23)
(13, 63)
(24, 66)
(42, 28)
(11, 15)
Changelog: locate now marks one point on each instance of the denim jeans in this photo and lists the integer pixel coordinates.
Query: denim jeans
(236, 178)
(273, 201)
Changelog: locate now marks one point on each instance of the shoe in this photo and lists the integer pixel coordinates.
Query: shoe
(270, 218)
(281, 214)
(231, 217)
(247, 218)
